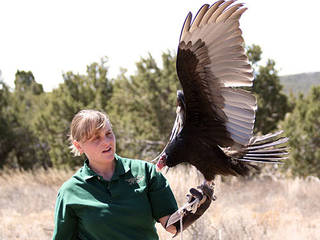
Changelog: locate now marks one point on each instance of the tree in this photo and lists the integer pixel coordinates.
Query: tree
(25, 101)
(272, 103)
(25, 82)
(302, 127)
(254, 53)
(77, 92)
(143, 107)
(6, 133)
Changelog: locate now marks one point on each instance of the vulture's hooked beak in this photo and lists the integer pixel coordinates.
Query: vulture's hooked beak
(161, 162)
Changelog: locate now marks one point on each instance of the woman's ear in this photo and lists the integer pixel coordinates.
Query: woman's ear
(77, 145)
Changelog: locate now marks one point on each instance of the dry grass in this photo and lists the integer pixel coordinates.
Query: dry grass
(257, 209)
(27, 203)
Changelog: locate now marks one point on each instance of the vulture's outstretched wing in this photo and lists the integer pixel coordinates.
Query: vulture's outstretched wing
(211, 63)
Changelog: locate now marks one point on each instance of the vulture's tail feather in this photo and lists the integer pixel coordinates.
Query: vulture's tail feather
(268, 144)
(264, 137)
(265, 149)
(280, 149)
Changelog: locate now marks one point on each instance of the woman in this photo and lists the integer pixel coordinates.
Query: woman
(112, 197)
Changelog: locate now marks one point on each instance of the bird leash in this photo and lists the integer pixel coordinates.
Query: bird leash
(181, 226)
(189, 206)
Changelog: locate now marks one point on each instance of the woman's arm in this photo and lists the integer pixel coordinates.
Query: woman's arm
(171, 229)
(65, 221)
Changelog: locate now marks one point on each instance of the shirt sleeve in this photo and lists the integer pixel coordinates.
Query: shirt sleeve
(65, 220)
(162, 200)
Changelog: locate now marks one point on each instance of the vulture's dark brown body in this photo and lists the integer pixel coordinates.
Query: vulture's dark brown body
(215, 117)
(189, 146)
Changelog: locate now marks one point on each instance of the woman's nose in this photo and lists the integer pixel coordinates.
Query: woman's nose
(106, 139)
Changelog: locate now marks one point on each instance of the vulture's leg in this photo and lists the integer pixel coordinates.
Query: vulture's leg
(210, 184)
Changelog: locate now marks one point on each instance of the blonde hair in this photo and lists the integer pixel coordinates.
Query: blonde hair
(86, 124)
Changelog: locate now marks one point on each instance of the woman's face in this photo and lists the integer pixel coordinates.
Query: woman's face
(100, 147)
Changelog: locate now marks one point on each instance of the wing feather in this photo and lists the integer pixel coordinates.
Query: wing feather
(242, 112)
(226, 14)
(209, 13)
(199, 16)
(239, 122)
(236, 15)
(211, 65)
(220, 10)
(238, 95)
(186, 26)
(246, 119)
(239, 128)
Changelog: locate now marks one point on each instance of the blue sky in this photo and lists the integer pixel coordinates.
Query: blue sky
(52, 37)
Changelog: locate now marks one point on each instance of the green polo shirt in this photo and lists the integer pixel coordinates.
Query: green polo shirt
(126, 207)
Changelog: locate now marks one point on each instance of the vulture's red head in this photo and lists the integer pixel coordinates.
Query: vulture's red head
(162, 161)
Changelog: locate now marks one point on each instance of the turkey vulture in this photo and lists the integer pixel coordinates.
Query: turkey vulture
(215, 117)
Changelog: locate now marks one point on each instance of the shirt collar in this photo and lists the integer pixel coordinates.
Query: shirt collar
(122, 167)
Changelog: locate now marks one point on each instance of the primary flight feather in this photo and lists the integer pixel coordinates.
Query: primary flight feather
(215, 117)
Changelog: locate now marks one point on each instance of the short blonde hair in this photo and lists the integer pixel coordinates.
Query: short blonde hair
(86, 124)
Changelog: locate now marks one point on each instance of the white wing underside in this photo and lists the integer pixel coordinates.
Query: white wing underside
(218, 27)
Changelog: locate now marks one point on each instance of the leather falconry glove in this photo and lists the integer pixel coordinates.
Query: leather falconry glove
(198, 202)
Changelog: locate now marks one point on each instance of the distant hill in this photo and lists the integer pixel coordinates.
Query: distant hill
(299, 82)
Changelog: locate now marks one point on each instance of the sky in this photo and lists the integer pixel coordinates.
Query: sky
(50, 37)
